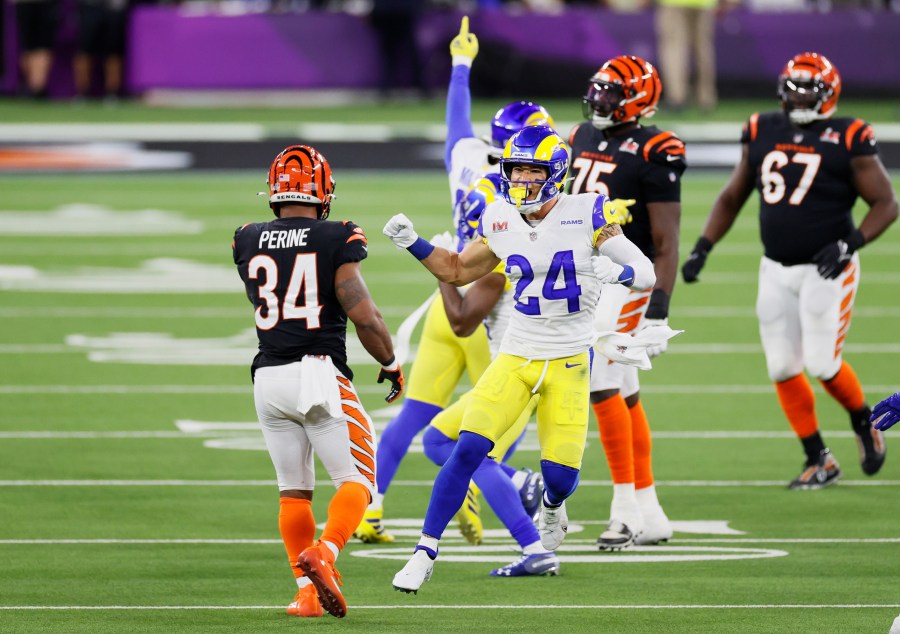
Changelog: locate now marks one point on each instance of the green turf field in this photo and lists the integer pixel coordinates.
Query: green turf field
(368, 111)
(131, 501)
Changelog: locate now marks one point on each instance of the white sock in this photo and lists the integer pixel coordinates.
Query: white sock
(333, 548)
(647, 496)
(377, 502)
(519, 477)
(429, 542)
(303, 581)
(534, 549)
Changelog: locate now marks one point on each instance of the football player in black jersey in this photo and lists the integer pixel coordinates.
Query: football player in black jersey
(612, 153)
(809, 168)
(302, 274)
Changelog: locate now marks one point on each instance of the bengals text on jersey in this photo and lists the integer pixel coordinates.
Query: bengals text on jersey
(644, 163)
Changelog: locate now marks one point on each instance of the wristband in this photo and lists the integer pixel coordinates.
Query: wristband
(463, 60)
(421, 248)
(658, 308)
(855, 240)
(390, 366)
(626, 277)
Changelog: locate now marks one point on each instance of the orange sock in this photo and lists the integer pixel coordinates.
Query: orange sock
(345, 512)
(799, 405)
(642, 443)
(297, 526)
(615, 434)
(845, 388)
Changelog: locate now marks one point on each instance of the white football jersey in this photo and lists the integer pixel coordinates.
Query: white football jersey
(468, 163)
(555, 290)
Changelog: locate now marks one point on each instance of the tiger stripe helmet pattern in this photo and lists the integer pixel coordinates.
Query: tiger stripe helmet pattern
(809, 87)
(300, 174)
(624, 89)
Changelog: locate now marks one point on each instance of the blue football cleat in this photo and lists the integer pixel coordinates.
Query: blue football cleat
(538, 564)
(531, 493)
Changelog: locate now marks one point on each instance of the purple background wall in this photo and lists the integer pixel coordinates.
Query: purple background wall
(168, 49)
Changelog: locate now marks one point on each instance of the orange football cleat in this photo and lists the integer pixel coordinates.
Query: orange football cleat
(317, 564)
(306, 603)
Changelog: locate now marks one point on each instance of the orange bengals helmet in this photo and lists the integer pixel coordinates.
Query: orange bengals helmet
(809, 87)
(300, 174)
(624, 89)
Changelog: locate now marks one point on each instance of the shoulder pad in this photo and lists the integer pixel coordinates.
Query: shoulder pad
(354, 232)
(665, 148)
(859, 133)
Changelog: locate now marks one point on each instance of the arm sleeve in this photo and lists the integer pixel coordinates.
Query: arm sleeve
(623, 251)
(459, 110)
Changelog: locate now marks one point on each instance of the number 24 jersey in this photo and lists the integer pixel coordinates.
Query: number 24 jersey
(549, 267)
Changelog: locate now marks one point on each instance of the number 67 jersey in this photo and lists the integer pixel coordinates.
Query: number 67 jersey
(288, 267)
(549, 267)
(805, 181)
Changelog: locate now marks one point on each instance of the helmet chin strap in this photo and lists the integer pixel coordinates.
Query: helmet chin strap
(805, 116)
(602, 123)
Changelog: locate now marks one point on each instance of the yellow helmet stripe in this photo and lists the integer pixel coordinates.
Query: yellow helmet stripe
(544, 151)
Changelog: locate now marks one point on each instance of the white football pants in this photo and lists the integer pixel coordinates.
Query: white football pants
(804, 318)
(345, 443)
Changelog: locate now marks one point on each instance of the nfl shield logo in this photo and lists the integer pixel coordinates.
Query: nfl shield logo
(533, 236)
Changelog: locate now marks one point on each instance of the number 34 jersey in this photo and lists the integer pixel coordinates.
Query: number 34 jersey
(805, 181)
(288, 267)
(549, 267)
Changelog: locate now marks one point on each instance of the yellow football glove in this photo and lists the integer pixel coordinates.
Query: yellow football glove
(464, 47)
(615, 211)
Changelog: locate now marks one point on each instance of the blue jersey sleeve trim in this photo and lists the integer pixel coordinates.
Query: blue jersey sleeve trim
(459, 110)
(597, 218)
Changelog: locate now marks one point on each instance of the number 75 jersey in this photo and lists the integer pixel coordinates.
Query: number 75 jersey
(805, 181)
(549, 267)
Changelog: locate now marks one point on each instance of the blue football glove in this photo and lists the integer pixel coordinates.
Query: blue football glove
(887, 412)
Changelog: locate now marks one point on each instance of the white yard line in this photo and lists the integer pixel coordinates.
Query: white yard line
(542, 606)
(375, 389)
(252, 430)
(404, 483)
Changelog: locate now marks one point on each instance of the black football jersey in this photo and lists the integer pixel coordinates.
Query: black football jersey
(644, 163)
(288, 267)
(805, 181)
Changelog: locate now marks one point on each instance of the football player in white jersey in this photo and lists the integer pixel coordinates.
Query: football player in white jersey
(443, 355)
(558, 250)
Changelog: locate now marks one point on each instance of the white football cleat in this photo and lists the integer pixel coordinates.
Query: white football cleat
(417, 571)
(657, 527)
(617, 536)
(626, 522)
(552, 525)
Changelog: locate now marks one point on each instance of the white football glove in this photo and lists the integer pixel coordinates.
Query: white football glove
(445, 241)
(606, 270)
(400, 230)
(464, 47)
(655, 349)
